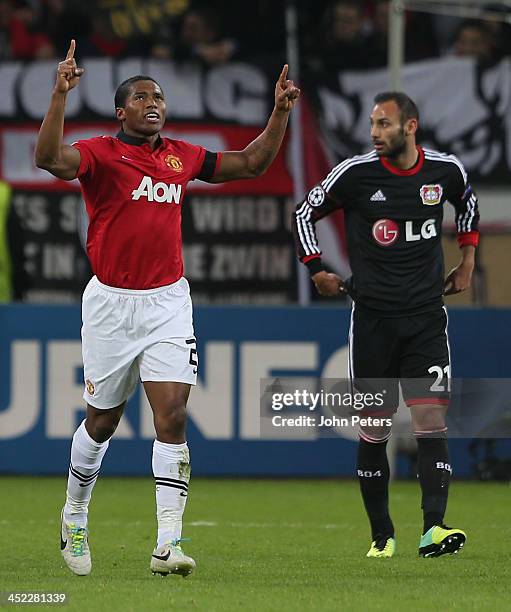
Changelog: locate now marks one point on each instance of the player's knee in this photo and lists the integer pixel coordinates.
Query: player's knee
(101, 424)
(428, 420)
(171, 421)
(375, 433)
(103, 430)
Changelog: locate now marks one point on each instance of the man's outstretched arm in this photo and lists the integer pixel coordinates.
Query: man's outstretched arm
(60, 160)
(255, 159)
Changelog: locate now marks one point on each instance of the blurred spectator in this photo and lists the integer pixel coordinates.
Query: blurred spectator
(25, 39)
(343, 40)
(473, 40)
(445, 27)
(201, 38)
(63, 20)
(148, 26)
(420, 39)
(499, 29)
(101, 40)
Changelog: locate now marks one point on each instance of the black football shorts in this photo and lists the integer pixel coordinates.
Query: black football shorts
(411, 351)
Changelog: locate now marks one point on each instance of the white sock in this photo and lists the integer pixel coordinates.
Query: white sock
(171, 469)
(86, 457)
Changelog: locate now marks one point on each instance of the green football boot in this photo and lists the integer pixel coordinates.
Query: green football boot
(441, 540)
(383, 547)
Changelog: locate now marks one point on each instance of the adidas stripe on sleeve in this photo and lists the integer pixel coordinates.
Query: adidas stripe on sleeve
(462, 197)
(322, 200)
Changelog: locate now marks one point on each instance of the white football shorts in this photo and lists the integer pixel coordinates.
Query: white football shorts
(130, 335)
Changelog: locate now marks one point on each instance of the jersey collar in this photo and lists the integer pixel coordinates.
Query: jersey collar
(413, 170)
(135, 140)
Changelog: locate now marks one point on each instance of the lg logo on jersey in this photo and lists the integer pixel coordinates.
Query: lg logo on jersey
(386, 231)
(159, 192)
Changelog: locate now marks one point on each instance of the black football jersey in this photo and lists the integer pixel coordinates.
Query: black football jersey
(393, 221)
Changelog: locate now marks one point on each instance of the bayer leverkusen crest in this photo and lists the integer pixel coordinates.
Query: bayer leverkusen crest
(431, 194)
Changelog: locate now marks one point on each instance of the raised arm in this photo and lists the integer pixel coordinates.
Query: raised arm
(59, 159)
(259, 154)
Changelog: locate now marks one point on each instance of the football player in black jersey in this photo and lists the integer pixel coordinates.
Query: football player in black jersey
(393, 199)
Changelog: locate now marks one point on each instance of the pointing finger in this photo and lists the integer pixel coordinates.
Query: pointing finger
(71, 50)
(283, 75)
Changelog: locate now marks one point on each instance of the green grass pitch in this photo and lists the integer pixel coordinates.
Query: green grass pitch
(259, 545)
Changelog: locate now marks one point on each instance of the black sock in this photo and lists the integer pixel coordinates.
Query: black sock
(373, 475)
(434, 475)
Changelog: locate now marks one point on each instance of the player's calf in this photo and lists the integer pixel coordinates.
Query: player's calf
(434, 471)
(373, 475)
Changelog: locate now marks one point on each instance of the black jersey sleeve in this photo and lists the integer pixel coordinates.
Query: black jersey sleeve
(323, 199)
(317, 204)
(464, 199)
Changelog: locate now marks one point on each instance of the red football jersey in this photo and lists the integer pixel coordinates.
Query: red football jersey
(133, 197)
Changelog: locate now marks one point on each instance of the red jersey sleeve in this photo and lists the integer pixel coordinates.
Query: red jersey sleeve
(204, 163)
(88, 157)
(196, 154)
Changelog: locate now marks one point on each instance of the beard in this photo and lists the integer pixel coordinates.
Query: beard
(395, 147)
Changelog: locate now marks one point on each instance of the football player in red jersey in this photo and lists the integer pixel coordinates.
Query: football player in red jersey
(137, 312)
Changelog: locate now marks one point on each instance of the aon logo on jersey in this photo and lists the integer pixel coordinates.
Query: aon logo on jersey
(158, 192)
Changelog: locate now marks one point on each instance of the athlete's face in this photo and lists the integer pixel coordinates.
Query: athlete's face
(388, 133)
(144, 111)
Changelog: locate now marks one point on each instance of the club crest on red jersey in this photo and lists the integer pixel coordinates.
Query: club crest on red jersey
(174, 162)
(431, 194)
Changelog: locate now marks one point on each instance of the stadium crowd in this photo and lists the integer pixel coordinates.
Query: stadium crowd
(334, 36)
(346, 34)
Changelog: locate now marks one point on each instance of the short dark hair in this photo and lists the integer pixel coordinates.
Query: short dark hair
(406, 105)
(123, 91)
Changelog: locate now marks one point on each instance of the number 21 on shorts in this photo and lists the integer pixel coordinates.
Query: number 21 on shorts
(442, 375)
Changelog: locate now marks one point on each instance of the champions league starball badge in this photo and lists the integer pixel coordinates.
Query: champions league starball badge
(316, 196)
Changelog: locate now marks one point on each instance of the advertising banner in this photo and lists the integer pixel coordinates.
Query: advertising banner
(41, 390)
